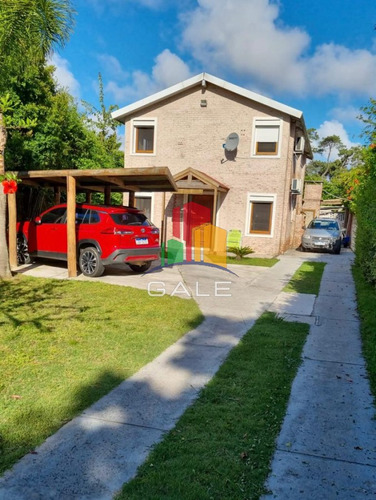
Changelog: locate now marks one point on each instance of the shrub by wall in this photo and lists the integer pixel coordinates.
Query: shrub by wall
(365, 246)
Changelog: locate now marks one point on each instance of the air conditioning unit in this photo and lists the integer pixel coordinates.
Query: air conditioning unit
(299, 145)
(296, 186)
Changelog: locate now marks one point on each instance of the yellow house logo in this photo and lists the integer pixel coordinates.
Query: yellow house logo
(194, 241)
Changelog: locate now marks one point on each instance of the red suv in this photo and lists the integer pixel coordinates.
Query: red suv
(105, 235)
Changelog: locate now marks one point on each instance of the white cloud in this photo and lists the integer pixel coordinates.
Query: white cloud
(64, 75)
(248, 38)
(100, 6)
(347, 114)
(112, 66)
(335, 68)
(242, 36)
(167, 70)
(334, 127)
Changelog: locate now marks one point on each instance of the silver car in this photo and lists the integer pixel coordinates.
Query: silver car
(322, 234)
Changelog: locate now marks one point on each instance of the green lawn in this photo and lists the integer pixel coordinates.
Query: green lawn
(307, 278)
(366, 299)
(222, 446)
(252, 261)
(64, 344)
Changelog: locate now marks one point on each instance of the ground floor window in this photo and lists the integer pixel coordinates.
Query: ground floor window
(260, 214)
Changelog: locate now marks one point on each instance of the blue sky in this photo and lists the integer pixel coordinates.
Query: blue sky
(319, 57)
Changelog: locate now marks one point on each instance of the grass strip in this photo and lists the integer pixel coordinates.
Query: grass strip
(366, 299)
(223, 444)
(253, 261)
(307, 278)
(65, 344)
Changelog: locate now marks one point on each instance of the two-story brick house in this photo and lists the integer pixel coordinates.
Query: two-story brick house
(237, 153)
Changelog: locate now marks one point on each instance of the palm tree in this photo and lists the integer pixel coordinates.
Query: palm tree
(29, 30)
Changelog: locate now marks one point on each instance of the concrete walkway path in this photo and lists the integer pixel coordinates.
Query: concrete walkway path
(327, 446)
(92, 456)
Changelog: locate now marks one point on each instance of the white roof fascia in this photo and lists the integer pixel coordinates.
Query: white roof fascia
(120, 114)
(253, 96)
(154, 98)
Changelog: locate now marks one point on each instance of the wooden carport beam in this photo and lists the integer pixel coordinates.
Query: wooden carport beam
(71, 226)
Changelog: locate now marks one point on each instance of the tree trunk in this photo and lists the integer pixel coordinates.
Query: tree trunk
(4, 260)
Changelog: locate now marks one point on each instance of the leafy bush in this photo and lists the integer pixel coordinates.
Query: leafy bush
(240, 252)
(365, 209)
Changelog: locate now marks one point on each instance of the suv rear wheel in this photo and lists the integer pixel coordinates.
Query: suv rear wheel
(140, 269)
(90, 262)
(23, 256)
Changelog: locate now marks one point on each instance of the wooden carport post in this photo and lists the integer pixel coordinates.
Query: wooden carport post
(71, 226)
(131, 199)
(107, 195)
(214, 219)
(12, 215)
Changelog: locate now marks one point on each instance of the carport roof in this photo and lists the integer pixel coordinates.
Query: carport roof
(120, 180)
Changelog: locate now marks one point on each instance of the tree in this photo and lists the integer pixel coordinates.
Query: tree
(325, 168)
(337, 175)
(29, 30)
(368, 117)
(101, 121)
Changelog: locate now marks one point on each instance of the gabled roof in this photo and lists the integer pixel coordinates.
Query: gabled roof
(191, 178)
(202, 79)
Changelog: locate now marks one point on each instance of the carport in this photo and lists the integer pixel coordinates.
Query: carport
(106, 181)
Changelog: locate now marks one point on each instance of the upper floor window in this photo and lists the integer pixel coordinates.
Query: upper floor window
(267, 137)
(144, 136)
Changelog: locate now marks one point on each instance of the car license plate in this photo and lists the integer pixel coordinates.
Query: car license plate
(142, 241)
(320, 243)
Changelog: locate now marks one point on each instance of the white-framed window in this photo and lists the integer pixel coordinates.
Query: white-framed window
(145, 202)
(260, 215)
(266, 137)
(144, 136)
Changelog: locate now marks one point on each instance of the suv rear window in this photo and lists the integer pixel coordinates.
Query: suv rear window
(130, 219)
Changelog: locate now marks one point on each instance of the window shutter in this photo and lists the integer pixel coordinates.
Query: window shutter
(267, 133)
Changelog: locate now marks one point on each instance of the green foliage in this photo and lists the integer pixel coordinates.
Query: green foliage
(240, 252)
(340, 176)
(29, 29)
(366, 300)
(59, 136)
(307, 278)
(365, 209)
(364, 199)
(368, 117)
(9, 177)
(253, 261)
(101, 119)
